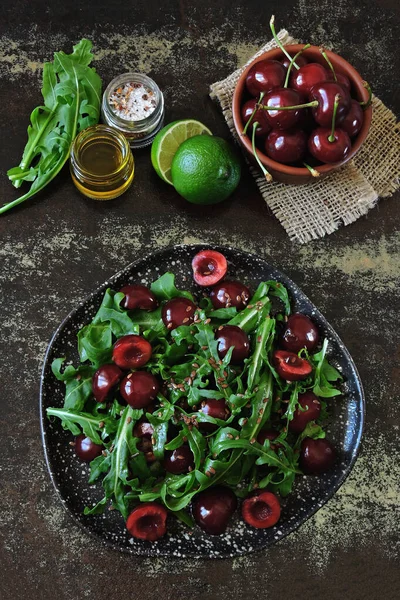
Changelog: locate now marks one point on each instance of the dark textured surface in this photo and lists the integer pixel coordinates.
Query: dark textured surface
(60, 246)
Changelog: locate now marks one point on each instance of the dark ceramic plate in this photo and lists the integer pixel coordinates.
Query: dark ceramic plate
(70, 477)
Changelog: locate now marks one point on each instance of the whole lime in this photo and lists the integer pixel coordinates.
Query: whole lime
(205, 170)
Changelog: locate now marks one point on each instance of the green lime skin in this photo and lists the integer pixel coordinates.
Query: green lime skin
(205, 170)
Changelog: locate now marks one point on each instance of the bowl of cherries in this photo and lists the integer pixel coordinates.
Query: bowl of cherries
(301, 112)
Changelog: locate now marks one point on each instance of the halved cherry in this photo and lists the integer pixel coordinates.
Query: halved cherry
(310, 402)
(179, 461)
(215, 408)
(178, 311)
(230, 293)
(138, 296)
(148, 521)
(213, 508)
(209, 267)
(316, 456)
(300, 332)
(232, 335)
(291, 367)
(104, 381)
(139, 389)
(145, 431)
(261, 510)
(131, 352)
(85, 449)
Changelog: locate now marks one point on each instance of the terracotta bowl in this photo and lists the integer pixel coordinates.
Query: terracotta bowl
(287, 173)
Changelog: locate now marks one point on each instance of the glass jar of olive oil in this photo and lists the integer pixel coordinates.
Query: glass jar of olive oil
(102, 165)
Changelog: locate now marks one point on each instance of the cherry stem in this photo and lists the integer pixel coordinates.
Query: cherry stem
(331, 137)
(285, 52)
(324, 54)
(367, 102)
(253, 113)
(292, 62)
(313, 172)
(309, 104)
(266, 174)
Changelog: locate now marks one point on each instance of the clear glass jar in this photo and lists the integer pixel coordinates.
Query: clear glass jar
(141, 132)
(101, 163)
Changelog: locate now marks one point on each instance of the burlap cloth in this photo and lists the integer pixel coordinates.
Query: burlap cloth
(313, 210)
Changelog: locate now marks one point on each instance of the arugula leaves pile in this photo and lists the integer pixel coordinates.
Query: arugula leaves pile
(72, 96)
(187, 360)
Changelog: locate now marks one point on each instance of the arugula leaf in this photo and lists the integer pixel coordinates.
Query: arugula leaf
(78, 383)
(118, 319)
(72, 94)
(95, 343)
(250, 317)
(164, 288)
(324, 374)
(263, 340)
(90, 425)
(278, 290)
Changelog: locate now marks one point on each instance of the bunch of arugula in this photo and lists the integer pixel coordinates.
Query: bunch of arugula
(187, 360)
(72, 93)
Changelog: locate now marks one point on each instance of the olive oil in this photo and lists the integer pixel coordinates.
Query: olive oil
(102, 165)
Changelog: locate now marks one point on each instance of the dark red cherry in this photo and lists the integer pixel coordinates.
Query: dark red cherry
(354, 119)
(300, 419)
(213, 509)
(342, 79)
(307, 76)
(267, 434)
(291, 367)
(104, 381)
(265, 75)
(261, 510)
(286, 146)
(299, 332)
(131, 352)
(316, 456)
(283, 119)
(178, 311)
(148, 521)
(138, 296)
(179, 461)
(209, 267)
(260, 116)
(139, 389)
(300, 61)
(231, 335)
(230, 293)
(326, 151)
(87, 450)
(325, 93)
(215, 408)
(143, 429)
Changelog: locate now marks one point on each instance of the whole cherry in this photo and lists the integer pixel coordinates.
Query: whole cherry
(231, 335)
(316, 456)
(138, 296)
(286, 146)
(259, 115)
(230, 293)
(178, 311)
(299, 332)
(325, 94)
(216, 408)
(306, 77)
(105, 380)
(340, 78)
(213, 508)
(330, 145)
(139, 389)
(265, 75)
(310, 410)
(179, 461)
(354, 119)
(85, 449)
(282, 97)
(300, 61)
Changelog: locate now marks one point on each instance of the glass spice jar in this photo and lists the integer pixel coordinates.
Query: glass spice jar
(101, 163)
(134, 104)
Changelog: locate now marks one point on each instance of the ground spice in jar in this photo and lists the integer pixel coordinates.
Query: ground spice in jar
(132, 101)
